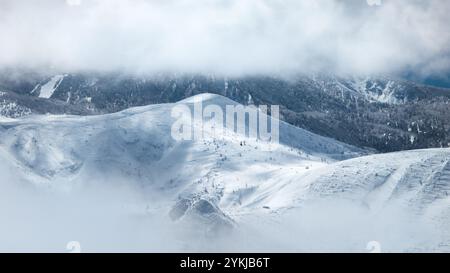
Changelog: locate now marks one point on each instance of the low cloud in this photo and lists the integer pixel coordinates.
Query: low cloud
(227, 36)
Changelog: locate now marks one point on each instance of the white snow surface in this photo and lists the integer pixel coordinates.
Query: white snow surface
(119, 182)
(49, 88)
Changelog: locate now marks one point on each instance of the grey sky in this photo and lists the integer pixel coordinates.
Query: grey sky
(227, 36)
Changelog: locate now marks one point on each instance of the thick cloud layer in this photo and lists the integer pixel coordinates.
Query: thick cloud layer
(227, 36)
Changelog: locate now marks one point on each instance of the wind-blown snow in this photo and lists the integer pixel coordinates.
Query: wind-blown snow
(119, 182)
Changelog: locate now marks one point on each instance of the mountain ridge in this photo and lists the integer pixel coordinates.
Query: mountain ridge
(377, 112)
(219, 185)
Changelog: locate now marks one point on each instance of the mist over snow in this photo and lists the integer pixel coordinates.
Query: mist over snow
(120, 182)
(227, 36)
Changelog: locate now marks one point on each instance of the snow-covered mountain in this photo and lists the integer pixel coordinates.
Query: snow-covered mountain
(77, 88)
(137, 143)
(145, 191)
(382, 113)
(375, 89)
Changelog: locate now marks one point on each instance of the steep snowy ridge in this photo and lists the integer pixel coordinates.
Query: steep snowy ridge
(222, 182)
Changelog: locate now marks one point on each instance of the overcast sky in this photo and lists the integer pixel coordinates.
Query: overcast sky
(227, 36)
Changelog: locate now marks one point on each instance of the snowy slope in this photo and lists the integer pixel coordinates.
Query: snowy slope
(49, 88)
(375, 111)
(54, 146)
(374, 89)
(216, 184)
(402, 198)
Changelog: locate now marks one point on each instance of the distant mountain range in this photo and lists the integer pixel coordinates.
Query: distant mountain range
(376, 112)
